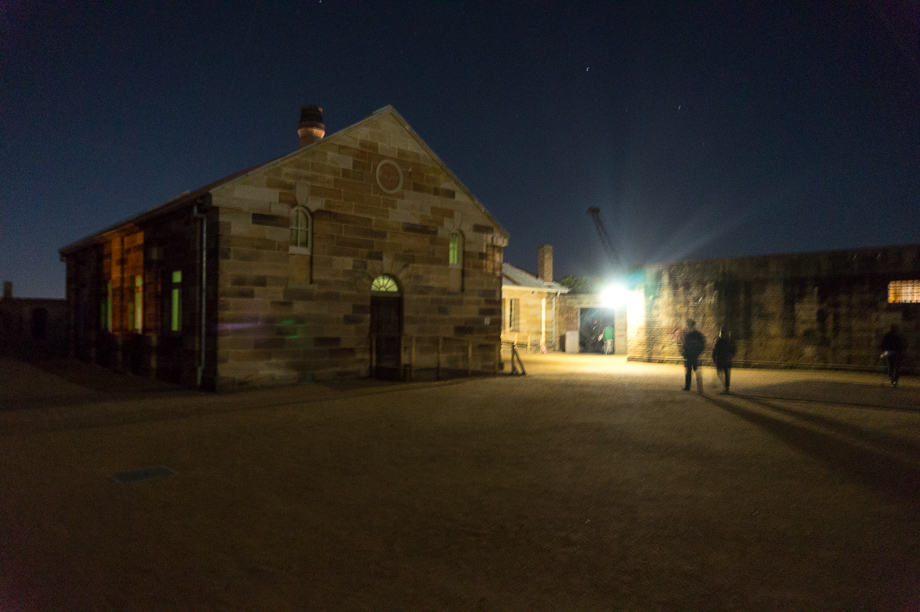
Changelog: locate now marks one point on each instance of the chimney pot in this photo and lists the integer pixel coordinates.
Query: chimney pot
(545, 262)
(311, 127)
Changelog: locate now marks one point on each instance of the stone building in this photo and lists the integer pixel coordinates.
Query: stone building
(359, 253)
(812, 310)
(530, 304)
(31, 326)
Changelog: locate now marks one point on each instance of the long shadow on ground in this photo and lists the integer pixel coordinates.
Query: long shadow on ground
(873, 468)
(878, 397)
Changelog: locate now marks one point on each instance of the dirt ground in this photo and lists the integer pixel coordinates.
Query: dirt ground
(591, 483)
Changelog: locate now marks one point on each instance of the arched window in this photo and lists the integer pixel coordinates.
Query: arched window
(455, 254)
(385, 284)
(301, 228)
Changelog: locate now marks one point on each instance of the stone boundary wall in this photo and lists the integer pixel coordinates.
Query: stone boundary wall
(813, 310)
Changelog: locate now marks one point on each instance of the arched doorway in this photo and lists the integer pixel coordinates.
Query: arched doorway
(386, 327)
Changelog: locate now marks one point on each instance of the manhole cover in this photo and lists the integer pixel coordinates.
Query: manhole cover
(145, 473)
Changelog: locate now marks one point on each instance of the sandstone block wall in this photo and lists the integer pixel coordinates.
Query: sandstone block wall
(802, 310)
(380, 204)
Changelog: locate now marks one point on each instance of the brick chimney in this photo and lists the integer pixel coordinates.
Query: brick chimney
(545, 262)
(311, 127)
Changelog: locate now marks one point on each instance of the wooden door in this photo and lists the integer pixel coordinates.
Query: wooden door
(386, 331)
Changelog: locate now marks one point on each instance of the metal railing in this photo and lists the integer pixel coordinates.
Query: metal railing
(452, 356)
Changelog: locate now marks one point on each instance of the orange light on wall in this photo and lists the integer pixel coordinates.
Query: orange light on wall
(904, 292)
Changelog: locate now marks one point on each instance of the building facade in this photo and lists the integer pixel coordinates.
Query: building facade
(359, 253)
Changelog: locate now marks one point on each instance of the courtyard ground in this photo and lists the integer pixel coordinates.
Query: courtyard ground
(591, 483)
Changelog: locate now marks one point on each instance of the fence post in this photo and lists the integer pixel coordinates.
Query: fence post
(469, 357)
(516, 361)
(412, 360)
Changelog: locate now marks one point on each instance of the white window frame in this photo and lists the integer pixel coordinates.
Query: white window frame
(301, 236)
(514, 314)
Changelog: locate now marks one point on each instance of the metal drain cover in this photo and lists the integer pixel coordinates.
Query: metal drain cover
(145, 473)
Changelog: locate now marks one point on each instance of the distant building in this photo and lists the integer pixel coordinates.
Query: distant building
(31, 326)
(359, 253)
(530, 304)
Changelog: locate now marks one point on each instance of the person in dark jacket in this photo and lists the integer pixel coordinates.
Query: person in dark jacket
(691, 348)
(722, 353)
(893, 347)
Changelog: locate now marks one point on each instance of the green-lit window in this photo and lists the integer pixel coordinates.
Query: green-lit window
(105, 308)
(384, 284)
(455, 255)
(300, 228)
(138, 304)
(175, 302)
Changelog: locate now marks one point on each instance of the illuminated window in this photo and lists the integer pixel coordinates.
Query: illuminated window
(138, 323)
(105, 308)
(300, 228)
(384, 284)
(455, 255)
(904, 292)
(175, 299)
(514, 314)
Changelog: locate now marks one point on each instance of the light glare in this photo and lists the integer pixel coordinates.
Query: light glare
(614, 295)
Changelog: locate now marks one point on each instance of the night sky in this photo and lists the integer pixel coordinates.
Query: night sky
(711, 130)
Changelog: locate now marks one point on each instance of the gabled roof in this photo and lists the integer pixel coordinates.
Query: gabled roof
(190, 197)
(515, 277)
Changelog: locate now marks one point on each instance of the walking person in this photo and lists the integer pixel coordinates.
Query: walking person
(691, 348)
(722, 354)
(608, 339)
(893, 347)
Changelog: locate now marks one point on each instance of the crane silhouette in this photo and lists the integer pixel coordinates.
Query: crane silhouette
(609, 249)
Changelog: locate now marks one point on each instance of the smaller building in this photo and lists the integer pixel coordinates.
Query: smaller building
(530, 305)
(31, 326)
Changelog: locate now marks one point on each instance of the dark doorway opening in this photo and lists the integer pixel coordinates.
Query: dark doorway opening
(386, 328)
(592, 322)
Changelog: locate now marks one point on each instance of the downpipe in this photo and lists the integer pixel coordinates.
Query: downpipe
(200, 212)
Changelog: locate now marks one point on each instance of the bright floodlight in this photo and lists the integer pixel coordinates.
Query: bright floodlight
(614, 295)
